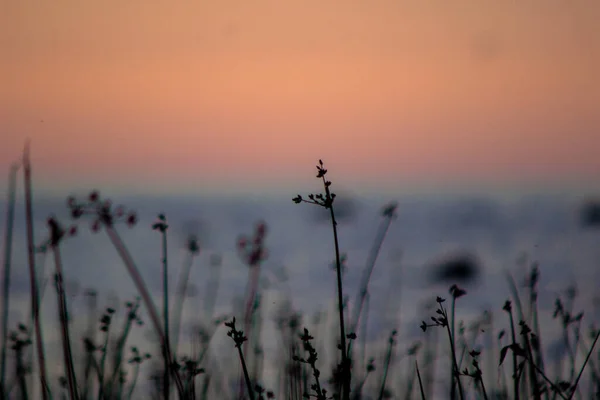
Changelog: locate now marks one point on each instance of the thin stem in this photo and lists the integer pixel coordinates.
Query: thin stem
(452, 329)
(420, 382)
(246, 375)
(388, 358)
(456, 374)
(35, 305)
(346, 370)
(373, 254)
(8, 240)
(145, 294)
(583, 366)
(89, 350)
(180, 293)
(120, 348)
(485, 396)
(136, 372)
(20, 375)
(532, 373)
(101, 369)
(166, 313)
(552, 385)
(253, 275)
(62, 311)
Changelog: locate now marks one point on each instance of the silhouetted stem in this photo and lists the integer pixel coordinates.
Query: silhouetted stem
(145, 294)
(136, 372)
(452, 329)
(91, 336)
(167, 344)
(254, 274)
(345, 369)
(35, 305)
(514, 357)
(420, 382)
(8, 240)
(246, 375)
(373, 254)
(587, 358)
(388, 358)
(101, 369)
(120, 349)
(456, 374)
(180, 294)
(64, 323)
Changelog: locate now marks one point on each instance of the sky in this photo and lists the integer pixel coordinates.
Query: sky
(230, 95)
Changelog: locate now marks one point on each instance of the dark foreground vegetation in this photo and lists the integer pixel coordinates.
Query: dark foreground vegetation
(101, 362)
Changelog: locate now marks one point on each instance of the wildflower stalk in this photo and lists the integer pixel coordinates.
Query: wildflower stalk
(587, 358)
(145, 294)
(389, 215)
(180, 293)
(508, 308)
(89, 342)
(420, 382)
(8, 240)
(120, 347)
(525, 332)
(20, 367)
(326, 201)
(162, 227)
(321, 394)
(345, 363)
(456, 375)
(443, 321)
(35, 305)
(106, 217)
(106, 324)
(62, 310)
(253, 252)
(388, 358)
(239, 339)
(136, 372)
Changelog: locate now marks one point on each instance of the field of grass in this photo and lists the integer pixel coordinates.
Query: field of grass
(496, 355)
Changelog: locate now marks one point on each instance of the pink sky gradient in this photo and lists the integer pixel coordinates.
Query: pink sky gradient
(185, 95)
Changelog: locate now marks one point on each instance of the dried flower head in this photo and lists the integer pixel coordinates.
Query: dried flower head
(103, 212)
(252, 250)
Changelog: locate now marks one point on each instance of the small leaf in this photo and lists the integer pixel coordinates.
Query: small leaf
(503, 354)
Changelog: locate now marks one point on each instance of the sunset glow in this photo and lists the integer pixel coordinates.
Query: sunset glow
(220, 93)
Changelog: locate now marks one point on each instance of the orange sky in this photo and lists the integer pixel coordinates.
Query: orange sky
(154, 94)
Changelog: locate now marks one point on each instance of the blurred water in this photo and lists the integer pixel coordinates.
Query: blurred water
(497, 235)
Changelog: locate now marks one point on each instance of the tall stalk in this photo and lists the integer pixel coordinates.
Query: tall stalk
(345, 361)
(145, 294)
(179, 301)
(326, 201)
(62, 311)
(389, 215)
(162, 227)
(253, 252)
(508, 308)
(8, 241)
(388, 358)
(35, 305)
(456, 375)
(89, 341)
